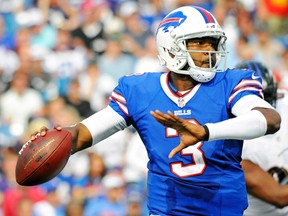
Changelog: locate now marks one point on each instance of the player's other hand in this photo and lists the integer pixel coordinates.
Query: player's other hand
(190, 133)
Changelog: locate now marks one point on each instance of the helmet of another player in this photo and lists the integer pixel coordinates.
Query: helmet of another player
(176, 29)
(268, 82)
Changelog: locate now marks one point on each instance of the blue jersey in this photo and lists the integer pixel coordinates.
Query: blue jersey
(203, 179)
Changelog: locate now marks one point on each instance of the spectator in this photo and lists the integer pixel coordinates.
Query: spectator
(13, 196)
(135, 205)
(8, 163)
(114, 55)
(275, 14)
(91, 29)
(152, 12)
(113, 149)
(65, 62)
(42, 33)
(56, 111)
(73, 98)
(88, 81)
(74, 208)
(19, 103)
(136, 160)
(9, 63)
(88, 185)
(60, 14)
(149, 61)
(268, 49)
(44, 208)
(112, 202)
(24, 207)
(101, 92)
(136, 31)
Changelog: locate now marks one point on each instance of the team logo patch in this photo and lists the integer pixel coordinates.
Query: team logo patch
(172, 21)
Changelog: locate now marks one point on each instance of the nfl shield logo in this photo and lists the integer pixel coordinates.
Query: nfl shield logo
(181, 102)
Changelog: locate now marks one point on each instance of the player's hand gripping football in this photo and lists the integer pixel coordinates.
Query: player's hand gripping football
(42, 132)
(190, 133)
(81, 137)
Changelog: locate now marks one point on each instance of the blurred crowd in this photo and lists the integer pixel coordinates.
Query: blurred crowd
(59, 62)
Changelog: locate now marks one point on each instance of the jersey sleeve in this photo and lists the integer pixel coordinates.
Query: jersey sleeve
(242, 83)
(133, 94)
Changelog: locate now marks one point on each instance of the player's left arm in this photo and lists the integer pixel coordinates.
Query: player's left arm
(272, 117)
(262, 185)
(254, 118)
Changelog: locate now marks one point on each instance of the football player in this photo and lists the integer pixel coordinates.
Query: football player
(211, 110)
(265, 159)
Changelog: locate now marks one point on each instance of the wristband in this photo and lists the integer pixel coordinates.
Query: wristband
(206, 137)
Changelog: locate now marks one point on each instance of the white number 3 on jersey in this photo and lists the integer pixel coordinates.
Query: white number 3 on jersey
(197, 165)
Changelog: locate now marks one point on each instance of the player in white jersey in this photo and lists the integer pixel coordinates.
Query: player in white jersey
(195, 169)
(265, 159)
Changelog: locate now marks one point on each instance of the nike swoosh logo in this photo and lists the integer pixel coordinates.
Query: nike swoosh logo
(255, 76)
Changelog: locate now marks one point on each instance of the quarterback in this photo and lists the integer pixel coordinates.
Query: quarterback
(192, 120)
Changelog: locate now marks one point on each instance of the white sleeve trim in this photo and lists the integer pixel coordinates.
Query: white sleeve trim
(247, 103)
(104, 123)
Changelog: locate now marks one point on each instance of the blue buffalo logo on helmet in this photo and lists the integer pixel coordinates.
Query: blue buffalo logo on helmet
(172, 20)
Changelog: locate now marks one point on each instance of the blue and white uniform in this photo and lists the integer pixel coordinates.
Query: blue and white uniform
(203, 179)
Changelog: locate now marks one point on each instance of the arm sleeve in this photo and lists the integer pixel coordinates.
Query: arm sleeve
(104, 123)
(247, 103)
(247, 124)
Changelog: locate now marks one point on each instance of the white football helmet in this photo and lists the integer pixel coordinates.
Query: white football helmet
(172, 34)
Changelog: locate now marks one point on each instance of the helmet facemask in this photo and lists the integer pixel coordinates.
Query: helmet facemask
(181, 62)
(202, 74)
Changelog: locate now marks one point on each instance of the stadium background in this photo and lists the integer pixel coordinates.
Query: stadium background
(59, 61)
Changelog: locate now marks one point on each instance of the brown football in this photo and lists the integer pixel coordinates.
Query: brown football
(44, 158)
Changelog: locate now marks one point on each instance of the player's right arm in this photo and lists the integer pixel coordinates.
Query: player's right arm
(262, 185)
(92, 129)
